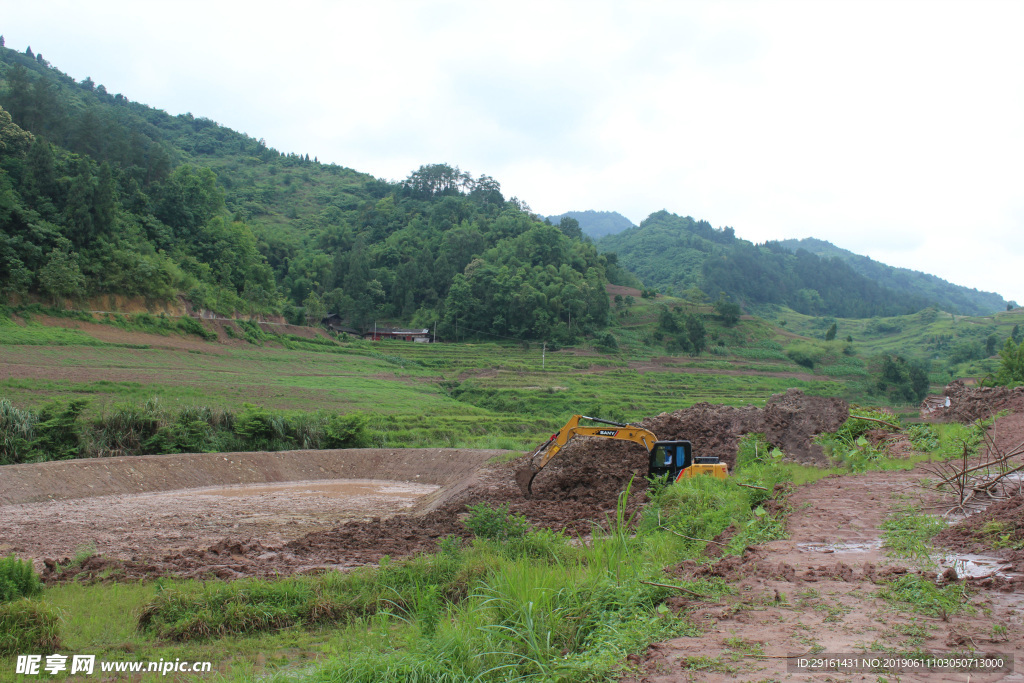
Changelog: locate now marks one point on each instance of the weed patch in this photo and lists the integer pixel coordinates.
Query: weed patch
(28, 626)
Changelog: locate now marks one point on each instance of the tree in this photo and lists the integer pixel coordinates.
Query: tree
(696, 333)
(1, 41)
(1011, 364)
(1017, 335)
(728, 311)
(13, 140)
(570, 227)
(28, 52)
(314, 308)
(990, 344)
(667, 321)
(61, 277)
(831, 333)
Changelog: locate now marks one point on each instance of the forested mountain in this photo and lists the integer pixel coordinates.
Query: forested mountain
(99, 194)
(949, 297)
(673, 252)
(596, 224)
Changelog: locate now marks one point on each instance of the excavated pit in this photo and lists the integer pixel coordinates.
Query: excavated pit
(576, 491)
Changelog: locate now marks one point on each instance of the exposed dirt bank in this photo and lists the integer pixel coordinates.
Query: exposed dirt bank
(62, 480)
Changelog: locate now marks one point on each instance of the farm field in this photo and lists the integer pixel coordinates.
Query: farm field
(450, 395)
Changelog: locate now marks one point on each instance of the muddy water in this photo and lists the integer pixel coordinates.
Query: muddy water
(333, 489)
(128, 525)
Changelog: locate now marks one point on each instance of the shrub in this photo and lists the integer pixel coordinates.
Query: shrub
(347, 431)
(58, 433)
(16, 431)
(496, 524)
(258, 427)
(18, 579)
(190, 325)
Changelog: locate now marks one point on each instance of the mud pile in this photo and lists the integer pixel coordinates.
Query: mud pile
(576, 491)
(997, 530)
(789, 421)
(967, 404)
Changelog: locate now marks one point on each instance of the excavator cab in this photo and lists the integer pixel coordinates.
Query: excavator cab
(675, 458)
(671, 458)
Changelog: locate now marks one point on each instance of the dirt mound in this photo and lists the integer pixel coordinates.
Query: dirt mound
(789, 421)
(998, 528)
(966, 404)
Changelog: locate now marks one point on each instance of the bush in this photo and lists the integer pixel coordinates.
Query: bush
(18, 579)
(58, 434)
(190, 325)
(347, 431)
(28, 626)
(805, 354)
(496, 524)
(16, 431)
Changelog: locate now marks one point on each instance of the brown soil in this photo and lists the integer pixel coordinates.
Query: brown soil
(968, 403)
(817, 591)
(789, 422)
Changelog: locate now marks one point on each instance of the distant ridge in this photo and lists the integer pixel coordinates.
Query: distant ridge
(948, 296)
(596, 224)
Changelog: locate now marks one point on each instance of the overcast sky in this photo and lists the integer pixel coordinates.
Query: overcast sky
(893, 129)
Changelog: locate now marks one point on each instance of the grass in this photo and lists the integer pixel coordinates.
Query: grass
(919, 594)
(907, 533)
(28, 626)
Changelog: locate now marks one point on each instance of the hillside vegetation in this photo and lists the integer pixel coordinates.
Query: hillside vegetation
(946, 295)
(675, 253)
(102, 195)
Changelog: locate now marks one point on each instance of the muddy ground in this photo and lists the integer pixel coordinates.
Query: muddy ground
(818, 590)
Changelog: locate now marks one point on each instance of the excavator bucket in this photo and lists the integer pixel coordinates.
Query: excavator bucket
(524, 477)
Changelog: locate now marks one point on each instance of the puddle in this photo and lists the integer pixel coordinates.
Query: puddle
(859, 547)
(341, 488)
(976, 566)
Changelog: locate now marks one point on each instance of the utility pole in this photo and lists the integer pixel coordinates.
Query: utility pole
(435, 332)
(374, 330)
(543, 355)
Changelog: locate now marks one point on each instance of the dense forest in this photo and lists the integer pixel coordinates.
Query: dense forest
(102, 195)
(947, 296)
(675, 253)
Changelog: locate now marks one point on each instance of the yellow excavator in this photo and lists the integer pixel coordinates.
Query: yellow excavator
(674, 458)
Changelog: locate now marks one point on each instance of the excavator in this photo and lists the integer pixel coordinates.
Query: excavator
(674, 458)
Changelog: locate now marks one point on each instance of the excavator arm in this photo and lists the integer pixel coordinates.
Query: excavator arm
(526, 475)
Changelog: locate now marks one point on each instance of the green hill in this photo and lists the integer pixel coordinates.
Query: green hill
(596, 224)
(948, 297)
(675, 253)
(103, 195)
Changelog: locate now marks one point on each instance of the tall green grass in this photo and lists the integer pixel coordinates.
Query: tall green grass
(28, 626)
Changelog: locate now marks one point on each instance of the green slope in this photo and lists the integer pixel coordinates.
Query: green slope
(948, 296)
(108, 196)
(677, 253)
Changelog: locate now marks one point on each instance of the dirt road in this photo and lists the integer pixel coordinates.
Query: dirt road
(817, 592)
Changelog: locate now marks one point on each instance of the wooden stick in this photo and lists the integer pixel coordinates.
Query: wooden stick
(678, 588)
(750, 486)
(691, 538)
(875, 419)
